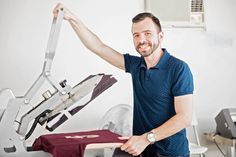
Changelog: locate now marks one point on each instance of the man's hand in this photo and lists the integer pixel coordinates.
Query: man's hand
(67, 14)
(135, 145)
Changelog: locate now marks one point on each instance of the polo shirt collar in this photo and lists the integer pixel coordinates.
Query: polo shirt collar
(162, 62)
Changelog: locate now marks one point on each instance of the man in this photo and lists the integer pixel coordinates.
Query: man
(162, 84)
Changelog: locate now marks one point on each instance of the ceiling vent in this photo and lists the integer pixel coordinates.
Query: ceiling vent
(178, 13)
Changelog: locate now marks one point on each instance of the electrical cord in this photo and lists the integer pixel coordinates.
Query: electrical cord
(36, 121)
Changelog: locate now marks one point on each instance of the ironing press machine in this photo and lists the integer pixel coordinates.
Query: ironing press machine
(56, 104)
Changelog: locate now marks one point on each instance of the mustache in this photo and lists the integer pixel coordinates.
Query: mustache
(142, 43)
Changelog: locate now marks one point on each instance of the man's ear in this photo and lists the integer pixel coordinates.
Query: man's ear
(161, 35)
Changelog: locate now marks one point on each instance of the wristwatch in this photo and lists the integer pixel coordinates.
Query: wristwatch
(151, 137)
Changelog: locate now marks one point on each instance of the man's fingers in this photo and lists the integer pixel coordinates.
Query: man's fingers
(124, 147)
(57, 8)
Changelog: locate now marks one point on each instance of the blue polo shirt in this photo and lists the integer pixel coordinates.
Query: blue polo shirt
(154, 90)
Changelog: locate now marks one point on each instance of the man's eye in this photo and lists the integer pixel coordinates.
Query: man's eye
(148, 34)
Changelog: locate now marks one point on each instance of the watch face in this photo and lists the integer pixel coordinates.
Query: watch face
(151, 137)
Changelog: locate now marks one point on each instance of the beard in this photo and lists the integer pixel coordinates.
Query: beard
(150, 48)
(145, 54)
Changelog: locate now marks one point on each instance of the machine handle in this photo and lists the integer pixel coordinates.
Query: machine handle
(52, 41)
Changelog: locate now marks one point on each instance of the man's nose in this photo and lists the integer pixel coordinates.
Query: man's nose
(142, 39)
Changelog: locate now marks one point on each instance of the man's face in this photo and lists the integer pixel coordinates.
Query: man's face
(145, 37)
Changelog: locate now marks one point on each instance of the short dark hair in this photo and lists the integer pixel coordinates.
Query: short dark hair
(142, 16)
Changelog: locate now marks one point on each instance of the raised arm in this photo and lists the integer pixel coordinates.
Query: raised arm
(91, 40)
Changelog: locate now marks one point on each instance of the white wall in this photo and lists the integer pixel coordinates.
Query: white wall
(24, 31)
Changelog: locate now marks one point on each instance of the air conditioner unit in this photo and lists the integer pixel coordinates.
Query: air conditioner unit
(178, 13)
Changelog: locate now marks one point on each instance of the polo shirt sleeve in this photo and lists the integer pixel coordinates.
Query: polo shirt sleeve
(127, 63)
(183, 80)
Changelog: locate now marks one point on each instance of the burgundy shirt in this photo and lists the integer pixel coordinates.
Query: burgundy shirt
(73, 144)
